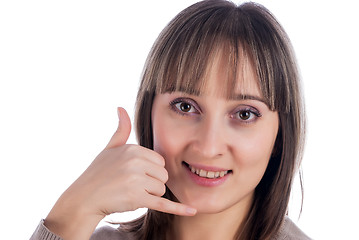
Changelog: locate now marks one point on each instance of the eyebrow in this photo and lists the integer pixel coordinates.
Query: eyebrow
(248, 97)
(236, 97)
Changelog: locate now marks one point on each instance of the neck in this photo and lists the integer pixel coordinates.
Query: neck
(221, 225)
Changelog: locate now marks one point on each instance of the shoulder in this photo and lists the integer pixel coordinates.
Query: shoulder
(290, 231)
(110, 233)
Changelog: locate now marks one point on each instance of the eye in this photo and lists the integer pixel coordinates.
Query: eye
(184, 106)
(246, 115)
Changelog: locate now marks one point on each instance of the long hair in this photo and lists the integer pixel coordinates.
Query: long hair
(178, 61)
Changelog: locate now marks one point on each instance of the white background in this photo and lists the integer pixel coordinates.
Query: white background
(66, 65)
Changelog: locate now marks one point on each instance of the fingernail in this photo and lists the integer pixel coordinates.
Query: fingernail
(191, 211)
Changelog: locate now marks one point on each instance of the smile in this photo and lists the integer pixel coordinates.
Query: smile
(207, 174)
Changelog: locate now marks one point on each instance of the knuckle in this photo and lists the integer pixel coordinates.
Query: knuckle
(127, 148)
(161, 205)
(132, 180)
(131, 147)
(158, 158)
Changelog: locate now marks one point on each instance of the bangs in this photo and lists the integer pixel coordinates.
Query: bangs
(196, 46)
(186, 50)
(190, 71)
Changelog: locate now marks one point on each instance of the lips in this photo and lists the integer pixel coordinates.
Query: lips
(210, 173)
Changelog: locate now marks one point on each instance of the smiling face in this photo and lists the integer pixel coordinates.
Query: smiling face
(216, 149)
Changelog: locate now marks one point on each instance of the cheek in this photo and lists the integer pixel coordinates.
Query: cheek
(168, 138)
(252, 152)
(255, 148)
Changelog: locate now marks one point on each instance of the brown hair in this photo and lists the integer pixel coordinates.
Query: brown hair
(178, 61)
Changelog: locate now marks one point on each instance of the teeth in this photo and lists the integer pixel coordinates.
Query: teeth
(210, 174)
(202, 173)
(207, 174)
(221, 174)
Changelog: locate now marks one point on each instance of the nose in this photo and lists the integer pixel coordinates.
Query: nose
(210, 138)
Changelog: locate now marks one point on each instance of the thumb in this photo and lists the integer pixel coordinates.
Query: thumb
(122, 133)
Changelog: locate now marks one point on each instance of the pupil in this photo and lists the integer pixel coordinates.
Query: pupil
(244, 115)
(185, 107)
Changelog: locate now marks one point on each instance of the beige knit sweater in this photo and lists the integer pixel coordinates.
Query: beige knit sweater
(288, 231)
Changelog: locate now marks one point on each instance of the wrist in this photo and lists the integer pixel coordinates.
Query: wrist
(71, 221)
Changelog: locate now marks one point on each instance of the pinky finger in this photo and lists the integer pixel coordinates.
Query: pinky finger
(168, 206)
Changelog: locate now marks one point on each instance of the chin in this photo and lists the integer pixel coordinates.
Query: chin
(210, 209)
(210, 206)
(213, 203)
(205, 204)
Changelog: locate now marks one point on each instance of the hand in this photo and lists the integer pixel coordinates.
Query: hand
(126, 177)
(123, 177)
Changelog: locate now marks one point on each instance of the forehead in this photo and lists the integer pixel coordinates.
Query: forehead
(222, 80)
(225, 70)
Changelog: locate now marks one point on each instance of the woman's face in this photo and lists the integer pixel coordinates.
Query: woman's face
(216, 150)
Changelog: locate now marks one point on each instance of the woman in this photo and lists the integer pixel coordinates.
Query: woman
(220, 123)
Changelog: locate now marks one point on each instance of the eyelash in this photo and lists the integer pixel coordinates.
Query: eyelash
(252, 111)
(190, 102)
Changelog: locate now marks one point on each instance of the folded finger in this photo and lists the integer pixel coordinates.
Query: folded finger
(157, 172)
(155, 187)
